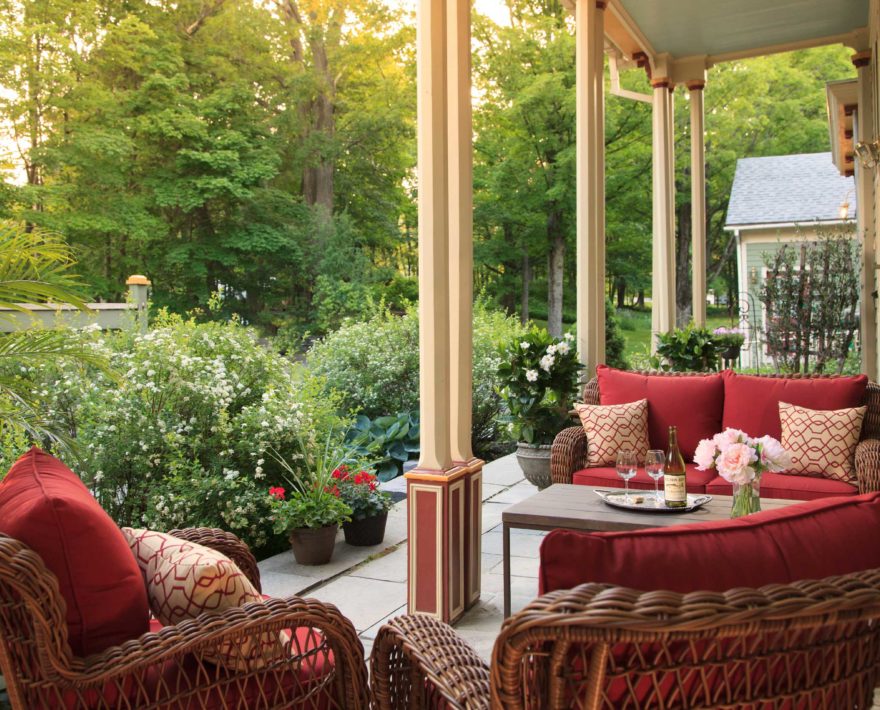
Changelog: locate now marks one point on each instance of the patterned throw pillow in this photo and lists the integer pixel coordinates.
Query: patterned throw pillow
(612, 427)
(185, 579)
(821, 442)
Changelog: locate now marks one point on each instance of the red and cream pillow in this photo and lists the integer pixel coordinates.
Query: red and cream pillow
(821, 442)
(185, 579)
(613, 427)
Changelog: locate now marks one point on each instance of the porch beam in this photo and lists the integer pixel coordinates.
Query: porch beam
(590, 167)
(698, 204)
(864, 128)
(663, 192)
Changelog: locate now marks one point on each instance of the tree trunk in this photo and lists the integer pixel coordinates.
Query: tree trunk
(621, 293)
(555, 273)
(640, 301)
(683, 304)
(526, 281)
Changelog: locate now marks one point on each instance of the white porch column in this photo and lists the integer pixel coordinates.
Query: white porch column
(864, 128)
(432, 107)
(663, 261)
(437, 502)
(698, 203)
(461, 283)
(590, 166)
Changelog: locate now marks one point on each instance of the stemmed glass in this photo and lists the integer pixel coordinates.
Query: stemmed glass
(626, 468)
(654, 462)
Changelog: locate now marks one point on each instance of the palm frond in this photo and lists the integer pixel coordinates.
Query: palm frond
(36, 266)
(51, 345)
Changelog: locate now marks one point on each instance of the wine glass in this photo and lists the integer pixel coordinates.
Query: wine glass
(654, 462)
(626, 468)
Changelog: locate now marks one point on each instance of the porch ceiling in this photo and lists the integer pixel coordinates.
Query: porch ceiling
(726, 30)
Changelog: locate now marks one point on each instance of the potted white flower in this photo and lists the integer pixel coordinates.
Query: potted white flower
(539, 376)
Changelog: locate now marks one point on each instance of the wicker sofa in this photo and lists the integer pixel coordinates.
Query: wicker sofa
(171, 667)
(569, 450)
(734, 633)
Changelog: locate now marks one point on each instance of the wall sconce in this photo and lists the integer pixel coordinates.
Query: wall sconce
(868, 153)
(753, 276)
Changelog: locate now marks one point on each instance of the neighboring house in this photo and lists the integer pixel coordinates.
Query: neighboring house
(777, 199)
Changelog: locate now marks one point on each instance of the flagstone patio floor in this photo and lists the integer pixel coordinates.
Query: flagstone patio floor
(368, 584)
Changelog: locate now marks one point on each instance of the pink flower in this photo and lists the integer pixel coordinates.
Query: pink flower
(734, 463)
(773, 456)
(728, 437)
(704, 456)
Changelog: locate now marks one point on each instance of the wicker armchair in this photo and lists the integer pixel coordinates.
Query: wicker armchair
(809, 644)
(325, 666)
(569, 450)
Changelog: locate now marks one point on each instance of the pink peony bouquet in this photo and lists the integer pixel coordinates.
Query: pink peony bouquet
(739, 458)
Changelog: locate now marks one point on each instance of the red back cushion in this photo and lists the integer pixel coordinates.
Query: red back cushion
(752, 403)
(693, 403)
(810, 540)
(46, 506)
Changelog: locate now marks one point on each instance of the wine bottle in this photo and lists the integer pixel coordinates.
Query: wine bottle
(674, 477)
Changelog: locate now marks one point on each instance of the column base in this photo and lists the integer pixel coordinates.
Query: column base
(441, 540)
(473, 529)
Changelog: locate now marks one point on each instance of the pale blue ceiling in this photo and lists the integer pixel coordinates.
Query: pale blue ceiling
(694, 27)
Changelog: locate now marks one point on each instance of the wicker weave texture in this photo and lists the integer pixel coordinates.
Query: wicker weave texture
(812, 644)
(321, 667)
(569, 451)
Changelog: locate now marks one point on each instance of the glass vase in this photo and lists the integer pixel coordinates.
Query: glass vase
(746, 498)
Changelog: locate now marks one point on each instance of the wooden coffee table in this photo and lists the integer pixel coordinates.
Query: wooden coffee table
(564, 505)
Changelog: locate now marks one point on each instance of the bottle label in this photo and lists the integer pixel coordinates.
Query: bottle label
(674, 489)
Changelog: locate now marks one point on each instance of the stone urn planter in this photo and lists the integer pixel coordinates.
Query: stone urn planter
(313, 546)
(366, 531)
(534, 460)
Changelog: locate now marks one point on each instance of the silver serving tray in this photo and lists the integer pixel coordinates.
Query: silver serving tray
(617, 499)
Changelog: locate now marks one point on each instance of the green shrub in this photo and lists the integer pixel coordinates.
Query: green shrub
(615, 343)
(373, 365)
(688, 349)
(183, 440)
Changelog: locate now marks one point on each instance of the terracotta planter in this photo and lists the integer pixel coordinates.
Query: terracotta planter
(535, 463)
(313, 546)
(367, 531)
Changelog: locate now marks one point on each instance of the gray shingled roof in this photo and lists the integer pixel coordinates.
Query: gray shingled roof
(788, 188)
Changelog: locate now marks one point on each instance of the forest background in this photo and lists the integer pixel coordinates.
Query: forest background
(266, 150)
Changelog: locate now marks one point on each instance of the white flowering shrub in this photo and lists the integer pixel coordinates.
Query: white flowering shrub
(188, 437)
(374, 366)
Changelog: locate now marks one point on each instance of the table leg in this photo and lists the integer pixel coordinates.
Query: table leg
(506, 542)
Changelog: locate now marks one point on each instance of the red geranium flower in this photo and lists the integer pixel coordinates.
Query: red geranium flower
(277, 492)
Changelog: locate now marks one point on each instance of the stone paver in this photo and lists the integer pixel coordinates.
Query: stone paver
(364, 601)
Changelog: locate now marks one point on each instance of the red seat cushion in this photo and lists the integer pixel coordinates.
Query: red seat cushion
(312, 676)
(693, 403)
(752, 403)
(46, 506)
(604, 476)
(786, 485)
(810, 540)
